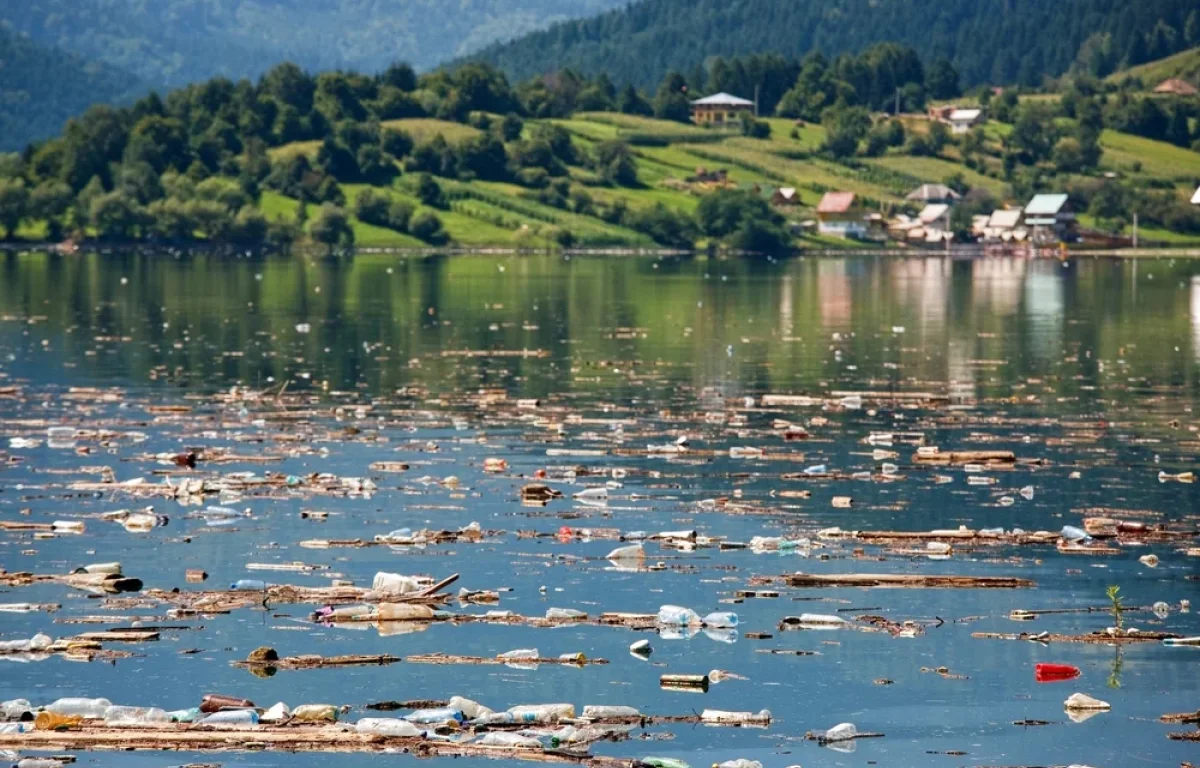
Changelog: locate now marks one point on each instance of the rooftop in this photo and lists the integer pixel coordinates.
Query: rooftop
(965, 115)
(933, 212)
(927, 192)
(722, 100)
(1005, 218)
(1045, 205)
(1177, 87)
(836, 202)
(1196, 197)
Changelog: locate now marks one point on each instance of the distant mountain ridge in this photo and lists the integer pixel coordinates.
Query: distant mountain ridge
(174, 42)
(41, 87)
(997, 41)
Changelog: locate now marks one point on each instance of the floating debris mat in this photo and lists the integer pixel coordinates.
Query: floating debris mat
(1094, 638)
(324, 738)
(895, 580)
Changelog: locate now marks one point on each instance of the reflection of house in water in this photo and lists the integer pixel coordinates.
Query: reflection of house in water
(786, 312)
(1195, 306)
(996, 285)
(959, 372)
(1044, 304)
(925, 285)
(833, 294)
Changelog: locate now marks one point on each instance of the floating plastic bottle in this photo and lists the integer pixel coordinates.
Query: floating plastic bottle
(118, 715)
(38, 642)
(717, 716)
(630, 552)
(14, 728)
(49, 721)
(507, 739)
(840, 732)
(315, 713)
(608, 711)
(91, 709)
(1190, 641)
(214, 702)
(677, 616)
(741, 762)
(396, 583)
(111, 569)
(470, 709)
(387, 726)
(434, 716)
(542, 713)
(721, 620)
(1071, 533)
(189, 715)
(279, 713)
(404, 612)
(665, 762)
(15, 709)
(1047, 673)
(592, 494)
(232, 717)
(248, 585)
(521, 654)
(565, 613)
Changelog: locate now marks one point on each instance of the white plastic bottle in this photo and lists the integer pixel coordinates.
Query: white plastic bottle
(135, 716)
(721, 620)
(677, 616)
(542, 713)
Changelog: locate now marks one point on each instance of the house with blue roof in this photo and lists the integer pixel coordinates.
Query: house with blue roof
(1050, 219)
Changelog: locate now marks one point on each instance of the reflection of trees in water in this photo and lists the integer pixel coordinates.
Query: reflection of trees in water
(990, 325)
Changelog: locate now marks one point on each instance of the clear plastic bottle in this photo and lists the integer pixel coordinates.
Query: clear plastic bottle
(189, 715)
(232, 717)
(15, 709)
(507, 739)
(542, 713)
(433, 716)
(741, 762)
(470, 709)
(92, 709)
(279, 713)
(521, 654)
(677, 616)
(387, 726)
(721, 620)
(118, 715)
(14, 727)
(608, 711)
(396, 583)
(248, 585)
(565, 613)
(665, 762)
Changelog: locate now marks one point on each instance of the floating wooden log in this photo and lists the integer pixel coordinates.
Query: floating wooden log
(319, 662)
(966, 457)
(901, 580)
(1181, 717)
(446, 658)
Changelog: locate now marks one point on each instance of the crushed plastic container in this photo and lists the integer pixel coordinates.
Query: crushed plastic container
(1071, 533)
(15, 709)
(470, 709)
(839, 732)
(507, 739)
(628, 552)
(279, 713)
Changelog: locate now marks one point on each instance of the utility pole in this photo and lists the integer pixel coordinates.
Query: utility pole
(1135, 232)
(755, 102)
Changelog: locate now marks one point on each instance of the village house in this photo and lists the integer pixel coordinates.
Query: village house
(1004, 225)
(1050, 219)
(963, 120)
(785, 196)
(1177, 87)
(936, 217)
(1196, 197)
(839, 215)
(720, 108)
(933, 193)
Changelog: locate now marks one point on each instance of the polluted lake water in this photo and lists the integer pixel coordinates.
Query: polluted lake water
(605, 512)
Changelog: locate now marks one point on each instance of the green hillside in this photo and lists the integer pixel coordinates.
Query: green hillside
(1184, 65)
(997, 41)
(41, 87)
(465, 158)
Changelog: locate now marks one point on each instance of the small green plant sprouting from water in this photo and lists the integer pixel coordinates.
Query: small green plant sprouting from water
(1114, 595)
(1114, 678)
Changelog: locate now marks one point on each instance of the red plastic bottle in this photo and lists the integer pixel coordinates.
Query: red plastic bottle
(1050, 673)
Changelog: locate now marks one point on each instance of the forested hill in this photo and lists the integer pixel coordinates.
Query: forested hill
(40, 88)
(989, 41)
(174, 42)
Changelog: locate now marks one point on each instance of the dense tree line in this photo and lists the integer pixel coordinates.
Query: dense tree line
(998, 41)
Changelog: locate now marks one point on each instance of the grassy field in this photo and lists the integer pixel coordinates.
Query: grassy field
(1184, 65)
(1156, 158)
(423, 129)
